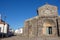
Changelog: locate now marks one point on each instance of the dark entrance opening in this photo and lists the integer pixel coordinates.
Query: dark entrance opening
(50, 30)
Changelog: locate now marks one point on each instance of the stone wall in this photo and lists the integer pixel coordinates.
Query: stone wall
(35, 26)
(58, 21)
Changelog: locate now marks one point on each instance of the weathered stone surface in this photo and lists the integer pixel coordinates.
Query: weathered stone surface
(37, 27)
(30, 38)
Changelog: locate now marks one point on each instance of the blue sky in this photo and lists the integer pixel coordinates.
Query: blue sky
(17, 11)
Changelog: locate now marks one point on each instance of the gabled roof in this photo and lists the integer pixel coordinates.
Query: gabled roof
(2, 22)
(36, 17)
(46, 5)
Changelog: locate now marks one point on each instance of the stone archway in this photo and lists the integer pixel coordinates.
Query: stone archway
(48, 26)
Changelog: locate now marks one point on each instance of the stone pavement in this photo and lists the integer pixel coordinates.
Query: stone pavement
(31, 38)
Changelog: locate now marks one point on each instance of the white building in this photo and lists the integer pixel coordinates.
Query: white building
(4, 27)
(19, 31)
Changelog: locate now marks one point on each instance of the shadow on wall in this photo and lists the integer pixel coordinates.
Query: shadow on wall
(3, 35)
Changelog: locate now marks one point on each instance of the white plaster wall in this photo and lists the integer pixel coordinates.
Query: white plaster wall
(19, 31)
(3, 28)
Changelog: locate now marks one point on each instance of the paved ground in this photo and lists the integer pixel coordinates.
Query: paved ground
(15, 38)
(11, 38)
(26, 38)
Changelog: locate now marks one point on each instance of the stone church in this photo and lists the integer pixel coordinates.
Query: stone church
(46, 23)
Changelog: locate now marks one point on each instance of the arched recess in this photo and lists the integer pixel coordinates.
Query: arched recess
(48, 26)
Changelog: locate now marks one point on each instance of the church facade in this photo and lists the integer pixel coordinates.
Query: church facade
(46, 23)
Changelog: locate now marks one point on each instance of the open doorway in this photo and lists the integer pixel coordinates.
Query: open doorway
(48, 26)
(49, 30)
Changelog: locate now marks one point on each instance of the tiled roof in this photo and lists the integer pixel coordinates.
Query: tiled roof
(2, 22)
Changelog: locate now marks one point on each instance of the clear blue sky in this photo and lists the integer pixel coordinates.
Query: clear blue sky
(17, 11)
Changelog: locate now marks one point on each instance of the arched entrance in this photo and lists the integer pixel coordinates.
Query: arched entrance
(48, 26)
